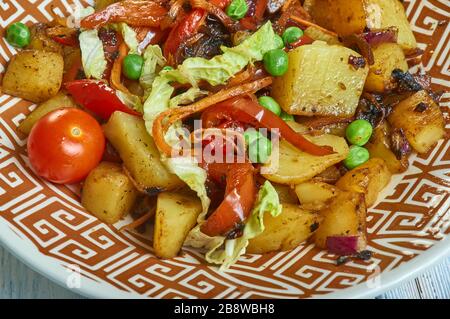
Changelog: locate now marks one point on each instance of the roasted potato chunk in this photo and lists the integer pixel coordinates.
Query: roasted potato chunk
(379, 147)
(176, 215)
(344, 216)
(317, 34)
(108, 193)
(286, 231)
(140, 156)
(387, 57)
(369, 179)
(352, 16)
(34, 75)
(286, 194)
(290, 166)
(60, 100)
(421, 120)
(320, 81)
(315, 195)
(40, 41)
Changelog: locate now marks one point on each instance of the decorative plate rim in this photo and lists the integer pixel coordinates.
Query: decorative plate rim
(92, 289)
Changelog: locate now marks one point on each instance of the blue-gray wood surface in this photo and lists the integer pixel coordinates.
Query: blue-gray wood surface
(19, 281)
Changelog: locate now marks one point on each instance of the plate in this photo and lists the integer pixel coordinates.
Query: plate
(45, 225)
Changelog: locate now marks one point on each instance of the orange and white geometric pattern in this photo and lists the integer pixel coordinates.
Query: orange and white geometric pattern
(412, 215)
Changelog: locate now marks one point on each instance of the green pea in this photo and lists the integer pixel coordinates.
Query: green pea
(276, 62)
(259, 150)
(167, 68)
(357, 155)
(279, 41)
(132, 66)
(251, 135)
(237, 9)
(18, 35)
(359, 132)
(292, 34)
(270, 104)
(286, 116)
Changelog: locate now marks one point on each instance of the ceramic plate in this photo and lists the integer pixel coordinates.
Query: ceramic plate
(46, 226)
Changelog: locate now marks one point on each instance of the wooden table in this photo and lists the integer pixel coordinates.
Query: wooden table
(19, 281)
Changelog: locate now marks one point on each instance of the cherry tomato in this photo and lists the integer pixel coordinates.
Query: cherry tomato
(65, 145)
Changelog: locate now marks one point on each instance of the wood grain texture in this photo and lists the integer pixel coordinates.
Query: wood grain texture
(19, 281)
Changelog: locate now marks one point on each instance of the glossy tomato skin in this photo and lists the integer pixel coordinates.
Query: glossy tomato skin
(65, 145)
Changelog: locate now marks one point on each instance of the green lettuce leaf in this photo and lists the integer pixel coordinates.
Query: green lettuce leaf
(132, 101)
(92, 54)
(153, 58)
(226, 252)
(187, 169)
(130, 38)
(216, 71)
(222, 67)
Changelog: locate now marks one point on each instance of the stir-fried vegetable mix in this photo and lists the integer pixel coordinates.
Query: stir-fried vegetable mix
(231, 126)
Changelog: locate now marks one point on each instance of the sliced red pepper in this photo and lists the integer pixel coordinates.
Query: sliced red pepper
(248, 111)
(240, 195)
(97, 97)
(303, 40)
(71, 41)
(133, 12)
(184, 30)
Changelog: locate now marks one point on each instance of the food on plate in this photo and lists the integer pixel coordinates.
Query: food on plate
(34, 75)
(229, 126)
(108, 192)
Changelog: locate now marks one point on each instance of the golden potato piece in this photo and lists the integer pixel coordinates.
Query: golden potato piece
(34, 75)
(378, 147)
(108, 193)
(320, 81)
(140, 156)
(284, 232)
(315, 195)
(369, 179)
(176, 215)
(345, 216)
(352, 16)
(289, 166)
(58, 101)
(421, 120)
(387, 57)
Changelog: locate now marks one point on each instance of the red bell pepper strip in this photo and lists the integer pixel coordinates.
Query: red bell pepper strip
(303, 40)
(133, 12)
(248, 111)
(97, 97)
(184, 30)
(240, 195)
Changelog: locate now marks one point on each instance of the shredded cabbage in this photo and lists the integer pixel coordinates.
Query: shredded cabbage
(153, 58)
(215, 71)
(130, 38)
(226, 252)
(92, 54)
